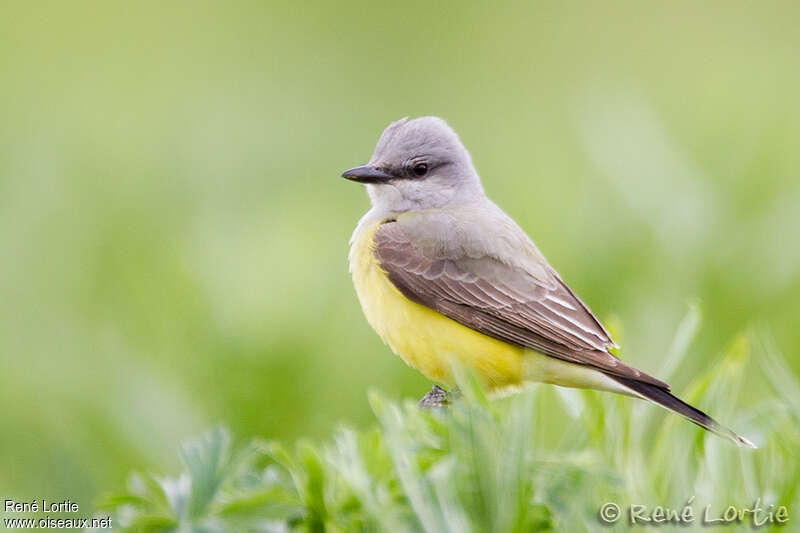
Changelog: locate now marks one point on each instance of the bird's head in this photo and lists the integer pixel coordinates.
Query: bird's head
(418, 164)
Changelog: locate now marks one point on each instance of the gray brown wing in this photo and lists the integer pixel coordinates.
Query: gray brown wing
(502, 301)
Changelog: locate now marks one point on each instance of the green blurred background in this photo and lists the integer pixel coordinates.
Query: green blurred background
(174, 232)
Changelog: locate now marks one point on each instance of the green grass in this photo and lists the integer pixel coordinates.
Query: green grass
(505, 465)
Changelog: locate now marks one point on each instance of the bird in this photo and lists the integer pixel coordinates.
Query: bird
(443, 274)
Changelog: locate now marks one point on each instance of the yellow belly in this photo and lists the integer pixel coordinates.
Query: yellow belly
(427, 340)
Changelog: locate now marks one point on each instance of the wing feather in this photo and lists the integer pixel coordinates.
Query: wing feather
(502, 301)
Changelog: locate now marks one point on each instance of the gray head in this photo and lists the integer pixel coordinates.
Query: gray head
(418, 164)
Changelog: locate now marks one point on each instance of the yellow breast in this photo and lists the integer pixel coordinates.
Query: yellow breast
(425, 339)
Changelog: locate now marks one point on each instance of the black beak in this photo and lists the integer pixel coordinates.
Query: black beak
(367, 174)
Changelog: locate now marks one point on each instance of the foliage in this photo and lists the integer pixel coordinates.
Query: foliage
(492, 466)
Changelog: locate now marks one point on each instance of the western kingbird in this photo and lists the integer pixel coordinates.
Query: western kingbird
(442, 272)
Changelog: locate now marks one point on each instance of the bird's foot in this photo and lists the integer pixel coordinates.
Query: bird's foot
(438, 397)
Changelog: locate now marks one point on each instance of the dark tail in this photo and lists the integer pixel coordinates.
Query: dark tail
(666, 399)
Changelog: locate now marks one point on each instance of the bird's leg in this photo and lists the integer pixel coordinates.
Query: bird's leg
(438, 397)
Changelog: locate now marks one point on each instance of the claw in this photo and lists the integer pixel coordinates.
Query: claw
(438, 397)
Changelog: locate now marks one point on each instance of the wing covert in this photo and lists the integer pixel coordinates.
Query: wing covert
(501, 300)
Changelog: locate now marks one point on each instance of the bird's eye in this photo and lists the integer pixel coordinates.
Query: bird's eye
(420, 169)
